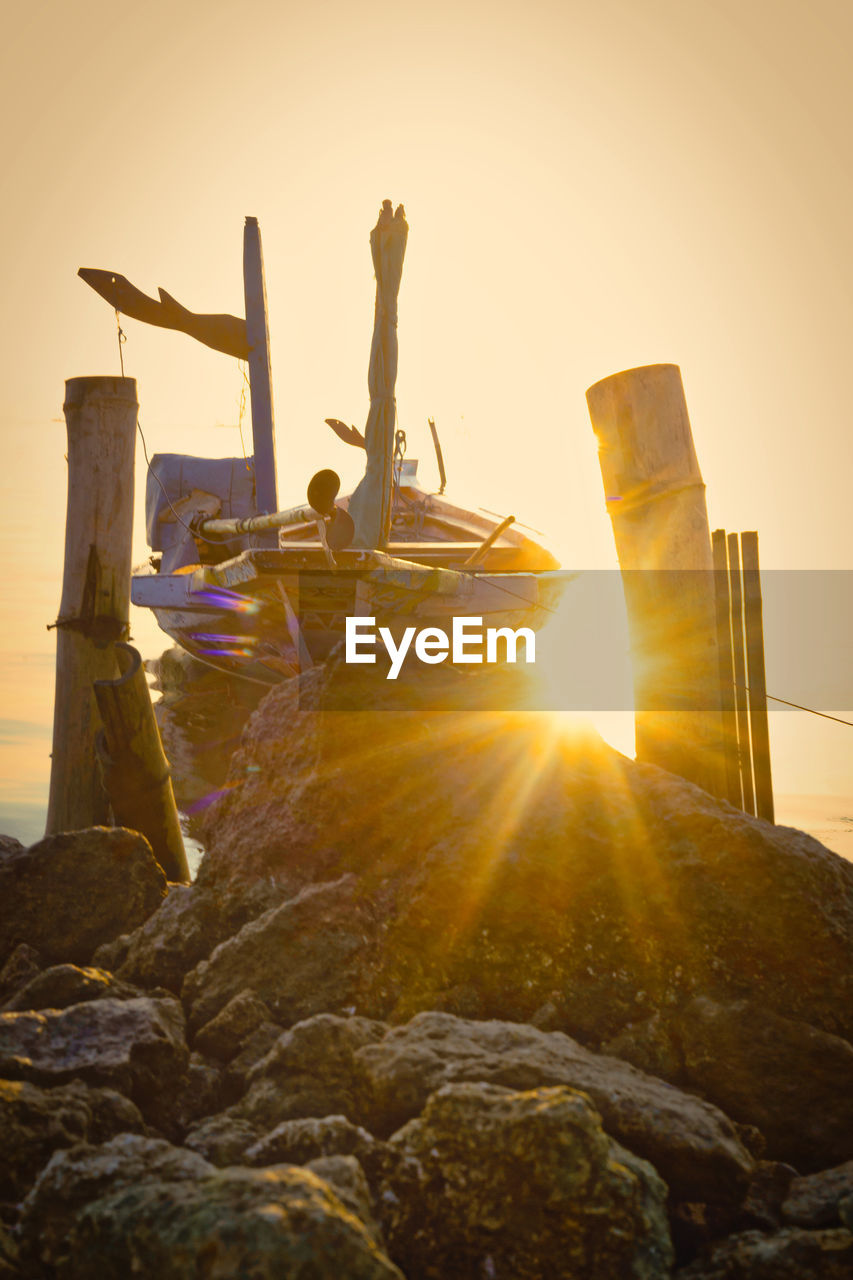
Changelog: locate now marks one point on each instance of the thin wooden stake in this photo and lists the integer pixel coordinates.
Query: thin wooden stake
(756, 677)
(136, 771)
(727, 676)
(741, 704)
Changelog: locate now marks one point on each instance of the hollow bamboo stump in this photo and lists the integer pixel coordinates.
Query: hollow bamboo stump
(656, 501)
(135, 768)
(100, 419)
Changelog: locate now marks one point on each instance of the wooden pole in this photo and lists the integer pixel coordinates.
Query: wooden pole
(136, 771)
(727, 675)
(260, 375)
(755, 677)
(656, 502)
(100, 418)
(741, 704)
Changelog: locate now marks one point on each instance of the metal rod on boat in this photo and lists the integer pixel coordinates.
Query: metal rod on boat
(100, 418)
(656, 501)
(255, 524)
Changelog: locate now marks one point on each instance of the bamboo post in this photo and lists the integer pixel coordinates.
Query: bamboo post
(741, 703)
(100, 418)
(136, 771)
(727, 675)
(656, 502)
(754, 626)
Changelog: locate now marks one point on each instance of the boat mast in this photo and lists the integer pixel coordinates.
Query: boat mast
(260, 377)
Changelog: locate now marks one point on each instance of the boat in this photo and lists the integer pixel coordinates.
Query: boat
(263, 593)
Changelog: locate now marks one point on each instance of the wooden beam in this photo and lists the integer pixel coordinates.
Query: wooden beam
(260, 375)
(741, 700)
(756, 678)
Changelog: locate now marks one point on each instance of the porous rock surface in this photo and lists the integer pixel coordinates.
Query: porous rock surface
(71, 892)
(142, 1207)
(134, 1046)
(526, 1178)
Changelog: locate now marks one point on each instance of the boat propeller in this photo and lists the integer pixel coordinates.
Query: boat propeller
(323, 488)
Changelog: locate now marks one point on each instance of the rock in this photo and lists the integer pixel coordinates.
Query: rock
(311, 1070)
(134, 1046)
(36, 1122)
(522, 1184)
(71, 892)
(789, 1255)
(301, 1141)
(793, 1081)
(10, 844)
(23, 965)
(346, 1177)
(845, 1212)
(84, 1174)
(222, 1139)
(185, 929)
(224, 1036)
(165, 947)
(8, 1255)
(692, 1145)
(607, 890)
(298, 958)
(652, 1046)
(135, 1207)
(255, 1048)
(768, 1188)
(813, 1201)
(66, 984)
(200, 1092)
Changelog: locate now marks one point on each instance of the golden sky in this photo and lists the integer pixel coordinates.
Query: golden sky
(590, 185)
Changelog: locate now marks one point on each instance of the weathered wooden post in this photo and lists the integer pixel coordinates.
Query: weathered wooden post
(135, 768)
(100, 418)
(656, 502)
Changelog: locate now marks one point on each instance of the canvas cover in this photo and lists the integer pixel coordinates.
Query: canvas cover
(171, 477)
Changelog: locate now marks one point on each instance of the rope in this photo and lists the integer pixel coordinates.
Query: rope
(122, 339)
(799, 707)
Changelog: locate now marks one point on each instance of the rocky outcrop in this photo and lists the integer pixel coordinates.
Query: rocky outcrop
(513, 871)
(519, 1184)
(140, 1207)
(69, 893)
